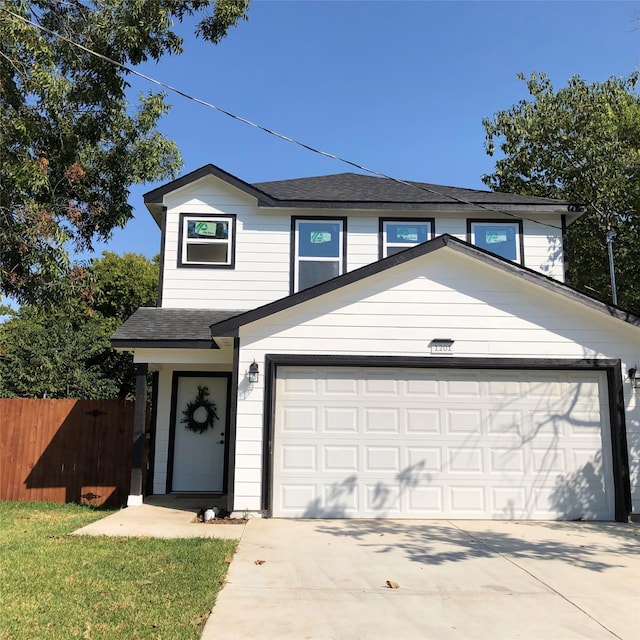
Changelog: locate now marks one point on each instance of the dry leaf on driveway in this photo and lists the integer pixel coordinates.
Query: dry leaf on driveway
(392, 585)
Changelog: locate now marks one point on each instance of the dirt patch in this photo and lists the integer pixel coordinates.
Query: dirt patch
(222, 521)
(223, 517)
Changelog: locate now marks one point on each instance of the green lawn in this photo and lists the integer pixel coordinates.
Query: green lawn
(53, 585)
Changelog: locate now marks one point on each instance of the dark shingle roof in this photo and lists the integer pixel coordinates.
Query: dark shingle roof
(354, 190)
(354, 187)
(156, 327)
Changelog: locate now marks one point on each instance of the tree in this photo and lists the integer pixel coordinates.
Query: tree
(121, 284)
(70, 144)
(63, 351)
(582, 144)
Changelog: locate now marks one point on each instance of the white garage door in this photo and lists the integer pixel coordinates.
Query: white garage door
(427, 443)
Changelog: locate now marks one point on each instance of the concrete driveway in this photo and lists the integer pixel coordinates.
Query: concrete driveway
(320, 579)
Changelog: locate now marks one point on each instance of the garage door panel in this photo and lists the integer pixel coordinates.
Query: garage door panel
(503, 422)
(339, 499)
(303, 383)
(508, 461)
(548, 459)
(508, 503)
(505, 387)
(299, 419)
(421, 420)
(379, 420)
(421, 387)
(467, 501)
(584, 424)
(299, 458)
(382, 499)
(464, 420)
(381, 459)
(425, 502)
(377, 385)
(465, 460)
(428, 459)
(463, 452)
(297, 497)
(341, 383)
(462, 386)
(340, 420)
(340, 458)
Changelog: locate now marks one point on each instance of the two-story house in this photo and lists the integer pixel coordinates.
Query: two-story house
(354, 346)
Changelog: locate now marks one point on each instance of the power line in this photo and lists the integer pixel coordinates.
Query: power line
(276, 134)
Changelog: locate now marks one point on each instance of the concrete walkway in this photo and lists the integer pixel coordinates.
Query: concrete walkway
(160, 520)
(302, 579)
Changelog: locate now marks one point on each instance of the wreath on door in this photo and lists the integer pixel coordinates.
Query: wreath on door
(200, 413)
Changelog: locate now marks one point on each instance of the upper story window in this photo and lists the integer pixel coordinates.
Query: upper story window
(398, 235)
(318, 250)
(504, 238)
(206, 241)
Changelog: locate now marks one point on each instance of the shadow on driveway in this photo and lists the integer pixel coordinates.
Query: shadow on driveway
(583, 543)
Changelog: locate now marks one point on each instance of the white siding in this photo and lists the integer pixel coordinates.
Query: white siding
(444, 295)
(262, 254)
(261, 272)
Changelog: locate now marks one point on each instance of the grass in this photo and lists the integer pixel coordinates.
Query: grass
(58, 586)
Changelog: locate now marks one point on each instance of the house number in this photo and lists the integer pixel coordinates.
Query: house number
(441, 346)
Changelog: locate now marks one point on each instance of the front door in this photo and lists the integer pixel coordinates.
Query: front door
(200, 420)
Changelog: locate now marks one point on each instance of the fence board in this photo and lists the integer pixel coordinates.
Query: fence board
(66, 450)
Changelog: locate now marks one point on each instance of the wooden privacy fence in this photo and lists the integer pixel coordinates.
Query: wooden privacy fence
(66, 450)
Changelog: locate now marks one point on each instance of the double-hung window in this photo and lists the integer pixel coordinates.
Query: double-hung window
(318, 250)
(398, 235)
(502, 237)
(206, 241)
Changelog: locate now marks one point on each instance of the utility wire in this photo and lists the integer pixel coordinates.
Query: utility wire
(281, 136)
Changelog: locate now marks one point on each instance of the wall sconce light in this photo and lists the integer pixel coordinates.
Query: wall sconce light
(254, 372)
(634, 378)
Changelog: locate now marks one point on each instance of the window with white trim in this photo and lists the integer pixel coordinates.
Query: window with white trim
(502, 238)
(206, 241)
(318, 251)
(398, 235)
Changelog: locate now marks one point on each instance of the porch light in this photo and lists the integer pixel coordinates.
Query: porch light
(634, 378)
(254, 372)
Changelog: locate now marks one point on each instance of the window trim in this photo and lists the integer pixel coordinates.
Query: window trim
(182, 241)
(293, 263)
(498, 221)
(382, 245)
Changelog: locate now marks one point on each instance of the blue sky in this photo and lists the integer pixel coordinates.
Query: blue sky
(400, 87)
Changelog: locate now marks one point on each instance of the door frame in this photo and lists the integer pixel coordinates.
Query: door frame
(612, 368)
(176, 375)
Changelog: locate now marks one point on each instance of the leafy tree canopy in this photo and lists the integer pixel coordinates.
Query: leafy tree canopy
(582, 144)
(63, 351)
(70, 144)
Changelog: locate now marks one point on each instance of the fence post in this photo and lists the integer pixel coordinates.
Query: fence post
(139, 421)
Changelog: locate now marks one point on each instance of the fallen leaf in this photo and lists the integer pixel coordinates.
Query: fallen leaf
(259, 562)
(228, 559)
(392, 585)
(143, 582)
(199, 620)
